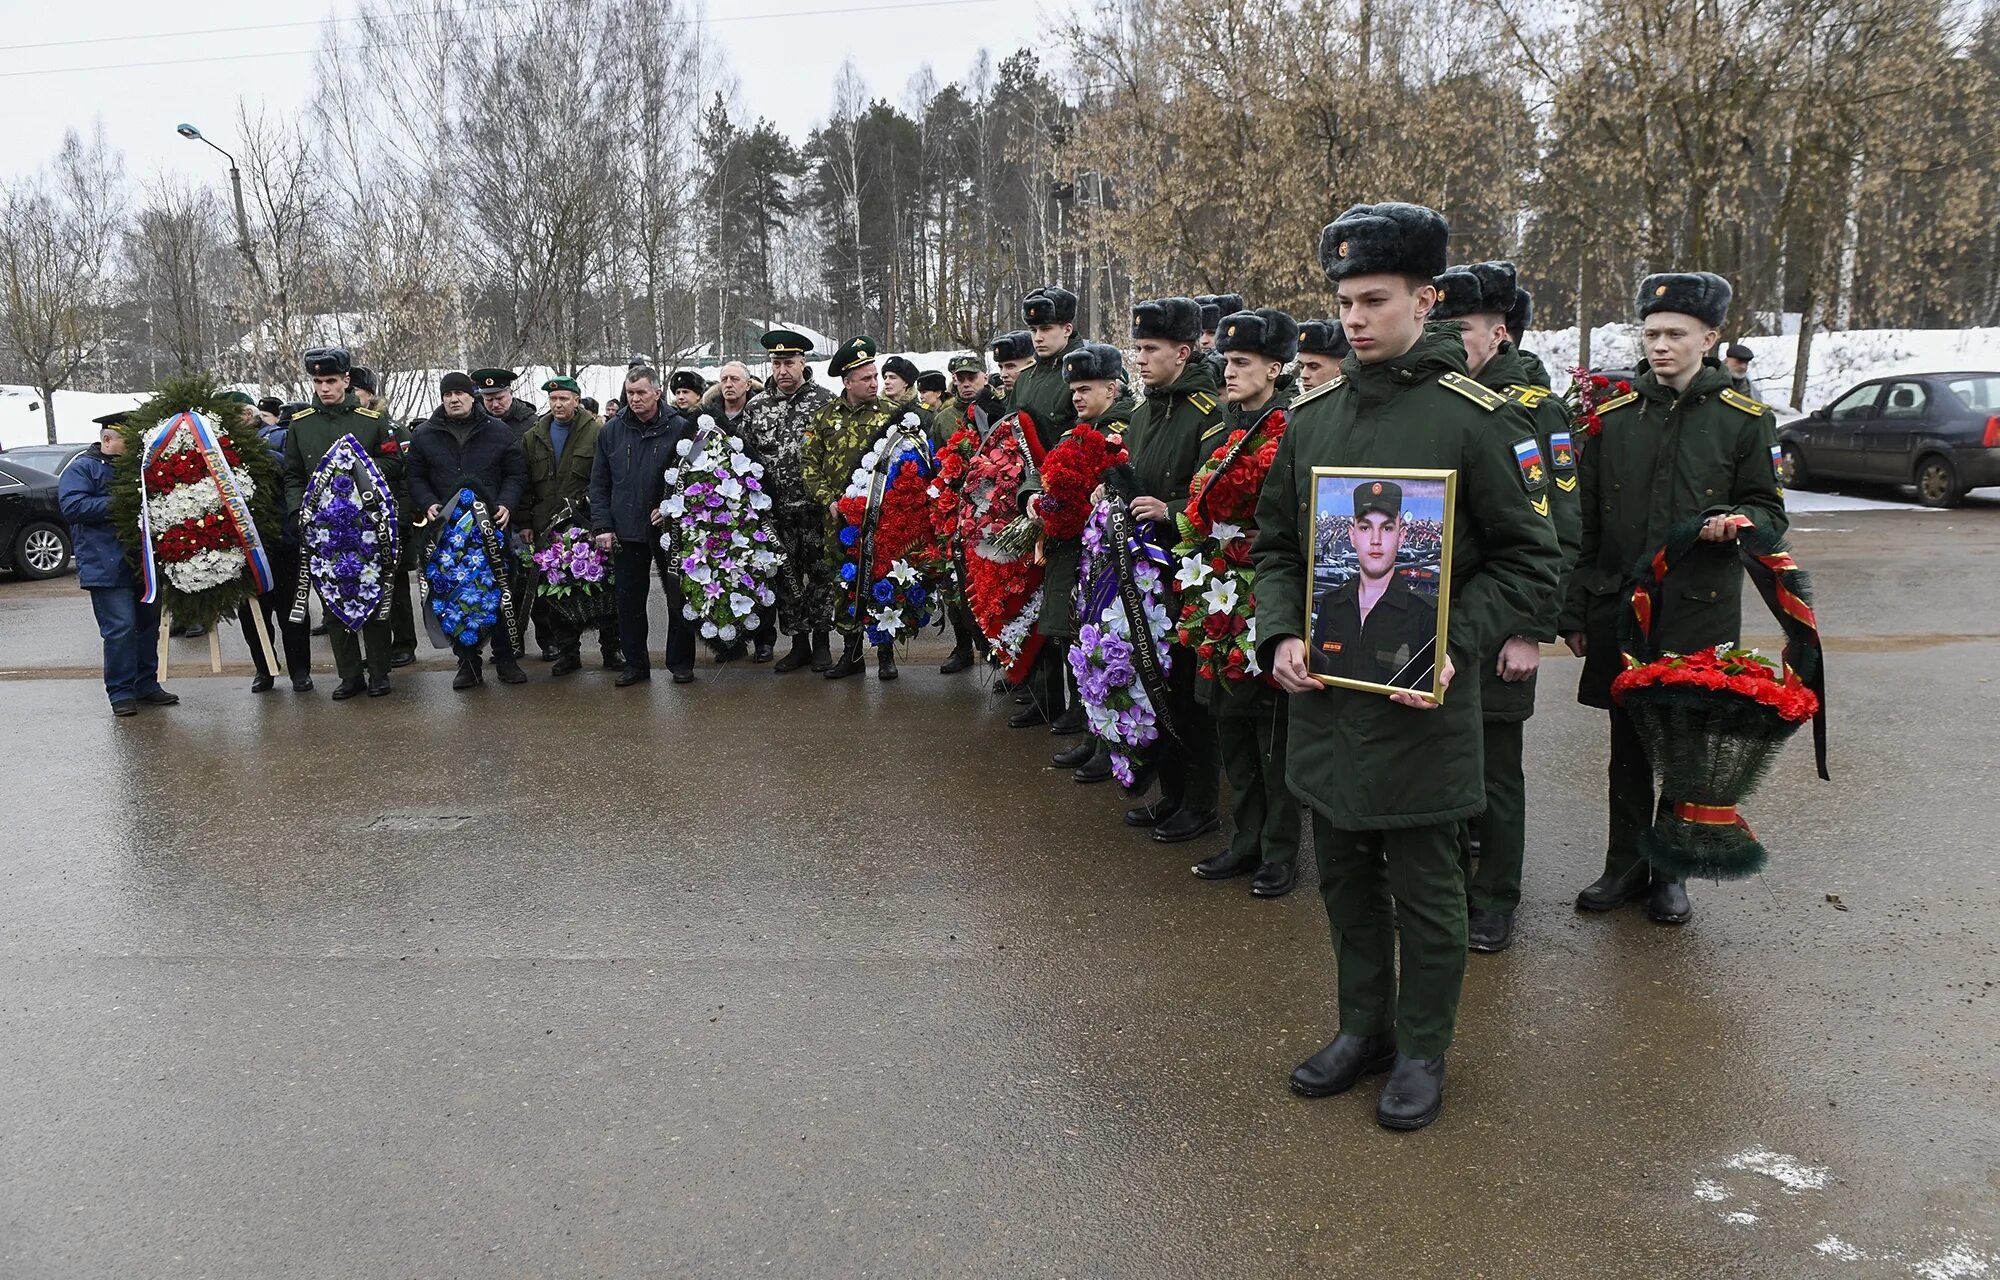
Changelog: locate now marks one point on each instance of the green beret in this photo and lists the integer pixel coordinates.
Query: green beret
(1385, 496)
(238, 397)
(563, 383)
(851, 355)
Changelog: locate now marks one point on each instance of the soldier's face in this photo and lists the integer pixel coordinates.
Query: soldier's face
(330, 388)
(1161, 362)
(1050, 339)
(562, 405)
(498, 402)
(1384, 315)
(1315, 369)
(1377, 539)
(686, 398)
(1093, 397)
(931, 398)
(1247, 377)
(860, 384)
(789, 372)
(1011, 369)
(894, 387)
(1674, 344)
(1482, 336)
(1208, 339)
(969, 384)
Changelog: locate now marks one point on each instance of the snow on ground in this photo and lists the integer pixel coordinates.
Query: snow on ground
(21, 415)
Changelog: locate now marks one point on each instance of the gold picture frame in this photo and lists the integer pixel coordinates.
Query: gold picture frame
(1401, 655)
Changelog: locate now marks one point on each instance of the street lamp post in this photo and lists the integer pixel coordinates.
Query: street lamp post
(260, 340)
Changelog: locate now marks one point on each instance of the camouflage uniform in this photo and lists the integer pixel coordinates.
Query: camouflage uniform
(777, 427)
(840, 434)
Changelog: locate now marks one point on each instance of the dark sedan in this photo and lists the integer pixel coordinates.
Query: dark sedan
(1937, 431)
(49, 459)
(34, 537)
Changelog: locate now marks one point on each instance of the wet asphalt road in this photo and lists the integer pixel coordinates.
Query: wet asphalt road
(777, 976)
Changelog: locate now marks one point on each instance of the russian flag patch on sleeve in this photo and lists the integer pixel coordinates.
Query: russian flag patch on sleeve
(1528, 455)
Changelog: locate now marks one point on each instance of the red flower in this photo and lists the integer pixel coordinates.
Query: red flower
(390, 448)
(1624, 387)
(1599, 381)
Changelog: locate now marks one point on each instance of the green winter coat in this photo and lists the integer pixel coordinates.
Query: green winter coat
(1364, 762)
(319, 427)
(1044, 393)
(553, 481)
(1173, 431)
(1517, 375)
(1058, 615)
(1661, 461)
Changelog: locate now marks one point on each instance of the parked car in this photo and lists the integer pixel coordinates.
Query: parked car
(34, 537)
(49, 459)
(1937, 431)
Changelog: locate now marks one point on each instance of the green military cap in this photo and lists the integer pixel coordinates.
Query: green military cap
(327, 362)
(238, 397)
(967, 363)
(491, 380)
(786, 342)
(851, 355)
(1385, 496)
(563, 382)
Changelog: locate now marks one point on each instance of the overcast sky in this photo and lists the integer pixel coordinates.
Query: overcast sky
(785, 64)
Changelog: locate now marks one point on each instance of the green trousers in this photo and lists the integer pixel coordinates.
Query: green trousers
(1250, 725)
(1190, 767)
(347, 650)
(1376, 885)
(402, 618)
(1493, 882)
(1632, 805)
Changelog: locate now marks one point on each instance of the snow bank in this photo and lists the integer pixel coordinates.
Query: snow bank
(21, 415)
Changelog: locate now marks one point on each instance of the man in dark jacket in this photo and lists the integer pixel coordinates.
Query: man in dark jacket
(1484, 299)
(281, 547)
(496, 394)
(130, 626)
(1040, 390)
(1175, 427)
(559, 450)
(627, 483)
(1682, 445)
(464, 447)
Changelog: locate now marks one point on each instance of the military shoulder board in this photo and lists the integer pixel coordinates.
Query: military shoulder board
(1737, 400)
(1528, 397)
(368, 413)
(1618, 402)
(1485, 397)
(304, 413)
(1202, 401)
(1320, 390)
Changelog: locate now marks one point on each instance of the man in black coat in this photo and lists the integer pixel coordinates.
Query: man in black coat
(462, 446)
(627, 484)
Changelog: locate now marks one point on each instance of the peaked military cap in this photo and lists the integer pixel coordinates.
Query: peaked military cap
(903, 367)
(1385, 496)
(563, 382)
(1211, 312)
(1323, 338)
(966, 363)
(1476, 289)
(851, 355)
(1017, 344)
(1393, 238)
(1168, 319)
(1737, 351)
(786, 342)
(1050, 304)
(1521, 315)
(325, 362)
(113, 419)
(687, 380)
(1701, 294)
(932, 380)
(1266, 331)
(1094, 362)
(494, 381)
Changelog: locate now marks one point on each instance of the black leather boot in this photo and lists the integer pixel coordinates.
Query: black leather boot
(822, 655)
(1488, 931)
(800, 654)
(1074, 757)
(468, 672)
(885, 662)
(1668, 902)
(1339, 1066)
(509, 671)
(1614, 889)
(1413, 1094)
(960, 660)
(1226, 865)
(851, 662)
(1095, 769)
(1274, 879)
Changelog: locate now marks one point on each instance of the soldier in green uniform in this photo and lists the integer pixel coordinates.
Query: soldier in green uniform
(842, 430)
(560, 448)
(1681, 445)
(932, 388)
(337, 412)
(1095, 372)
(1389, 778)
(1039, 390)
(1014, 352)
(1376, 627)
(1175, 427)
(777, 425)
(1485, 299)
(1250, 720)
(1322, 346)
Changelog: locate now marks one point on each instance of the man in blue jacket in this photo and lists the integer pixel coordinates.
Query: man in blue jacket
(628, 481)
(130, 626)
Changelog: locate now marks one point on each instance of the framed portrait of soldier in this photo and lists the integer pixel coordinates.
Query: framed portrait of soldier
(1379, 594)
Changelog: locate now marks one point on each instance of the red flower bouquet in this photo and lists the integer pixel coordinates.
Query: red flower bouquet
(1586, 391)
(1218, 613)
(1002, 586)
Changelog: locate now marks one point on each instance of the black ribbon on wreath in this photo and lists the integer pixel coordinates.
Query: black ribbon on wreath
(1146, 659)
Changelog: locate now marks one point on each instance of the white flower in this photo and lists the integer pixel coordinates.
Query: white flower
(1221, 596)
(705, 422)
(673, 475)
(860, 479)
(683, 447)
(688, 612)
(751, 622)
(739, 462)
(910, 419)
(708, 631)
(740, 604)
(760, 502)
(1194, 572)
(675, 507)
(901, 573)
(1226, 533)
(730, 490)
(890, 623)
(699, 575)
(724, 633)
(869, 459)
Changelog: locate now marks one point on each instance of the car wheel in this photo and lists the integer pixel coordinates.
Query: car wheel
(1937, 481)
(1794, 472)
(41, 550)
